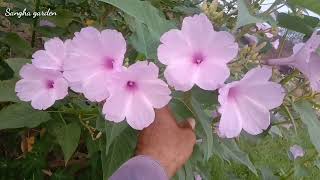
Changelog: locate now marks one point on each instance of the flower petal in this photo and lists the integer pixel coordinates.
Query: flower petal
(30, 72)
(61, 88)
(140, 113)
(210, 76)
(230, 124)
(114, 45)
(267, 94)
(95, 88)
(43, 100)
(156, 93)
(258, 75)
(174, 47)
(144, 70)
(88, 42)
(198, 30)
(116, 106)
(28, 89)
(222, 47)
(181, 77)
(255, 117)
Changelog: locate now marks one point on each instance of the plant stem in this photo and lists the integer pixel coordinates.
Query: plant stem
(35, 24)
(60, 115)
(288, 78)
(290, 117)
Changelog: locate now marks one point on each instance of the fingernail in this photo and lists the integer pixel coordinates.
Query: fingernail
(192, 123)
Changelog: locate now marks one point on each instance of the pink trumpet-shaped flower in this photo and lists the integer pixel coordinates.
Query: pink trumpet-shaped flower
(196, 54)
(41, 86)
(94, 56)
(305, 59)
(245, 104)
(296, 151)
(53, 56)
(134, 94)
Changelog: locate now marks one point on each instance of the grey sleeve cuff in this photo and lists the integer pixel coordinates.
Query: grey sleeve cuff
(140, 168)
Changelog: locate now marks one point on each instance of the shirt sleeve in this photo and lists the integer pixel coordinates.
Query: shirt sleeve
(140, 168)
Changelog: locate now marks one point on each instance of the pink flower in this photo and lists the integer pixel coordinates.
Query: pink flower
(41, 86)
(305, 51)
(305, 59)
(94, 57)
(197, 177)
(296, 151)
(245, 104)
(134, 94)
(196, 54)
(53, 56)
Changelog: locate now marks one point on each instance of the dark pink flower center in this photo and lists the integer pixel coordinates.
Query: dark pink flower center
(131, 85)
(232, 93)
(49, 84)
(197, 58)
(109, 63)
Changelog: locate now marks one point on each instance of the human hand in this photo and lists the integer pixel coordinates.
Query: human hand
(169, 143)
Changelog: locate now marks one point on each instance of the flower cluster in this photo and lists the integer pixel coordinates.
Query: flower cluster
(198, 55)
(92, 63)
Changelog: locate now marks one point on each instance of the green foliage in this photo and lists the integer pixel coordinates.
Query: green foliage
(229, 150)
(68, 137)
(145, 13)
(304, 25)
(244, 16)
(312, 5)
(148, 24)
(16, 43)
(5, 71)
(21, 115)
(120, 151)
(7, 92)
(309, 118)
(16, 64)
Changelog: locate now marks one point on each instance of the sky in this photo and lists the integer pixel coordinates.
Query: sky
(268, 3)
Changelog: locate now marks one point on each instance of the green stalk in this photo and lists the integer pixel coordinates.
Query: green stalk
(35, 24)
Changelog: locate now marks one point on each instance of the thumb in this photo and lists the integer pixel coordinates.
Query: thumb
(189, 123)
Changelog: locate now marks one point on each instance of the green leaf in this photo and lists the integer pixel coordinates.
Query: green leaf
(7, 91)
(144, 13)
(228, 150)
(63, 18)
(120, 151)
(208, 99)
(5, 71)
(203, 126)
(16, 43)
(68, 137)
(16, 64)
(113, 130)
(244, 16)
(312, 5)
(300, 170)
(21, 115)
(267, 174)
(142, 40)
(309, 118)
(304, 25)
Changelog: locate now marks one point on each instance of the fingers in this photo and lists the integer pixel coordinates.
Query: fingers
(164, 116)
(189, 123)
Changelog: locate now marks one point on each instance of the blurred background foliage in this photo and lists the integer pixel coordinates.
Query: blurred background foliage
(73, 141)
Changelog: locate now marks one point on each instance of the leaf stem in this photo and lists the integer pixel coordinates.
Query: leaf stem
(290, 117)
